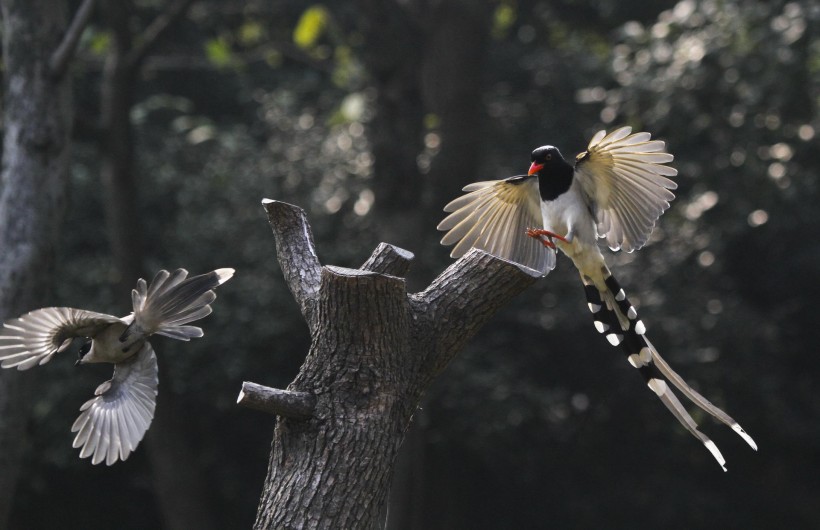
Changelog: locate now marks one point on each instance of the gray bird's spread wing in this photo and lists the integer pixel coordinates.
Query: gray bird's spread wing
(113, 423)
(35, 337)
(624, 179)
(494, 216)
(172, 300)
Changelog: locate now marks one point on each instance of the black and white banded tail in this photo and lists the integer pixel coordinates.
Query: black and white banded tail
(616, 318)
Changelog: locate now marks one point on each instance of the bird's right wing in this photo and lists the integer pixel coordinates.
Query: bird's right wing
(172, 300)
(113, 423)
(494, 216)
(35, 337)
(624, 177)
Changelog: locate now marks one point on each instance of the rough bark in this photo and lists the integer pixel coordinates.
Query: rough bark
(375, 350)
(36, 131)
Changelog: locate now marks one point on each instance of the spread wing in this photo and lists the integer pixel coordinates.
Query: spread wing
(624, 178)
(113, 423)
(35, 337)
(494, 216)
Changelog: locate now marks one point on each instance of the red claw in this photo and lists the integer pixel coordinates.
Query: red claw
(545, 236)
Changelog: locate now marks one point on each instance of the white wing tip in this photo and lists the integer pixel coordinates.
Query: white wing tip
(710, 445)
(223, 275)
(738, 429)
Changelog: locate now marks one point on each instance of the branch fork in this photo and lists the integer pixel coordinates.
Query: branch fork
(375, 350)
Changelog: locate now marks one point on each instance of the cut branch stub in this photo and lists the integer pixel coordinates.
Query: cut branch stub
(285, 403)
(389, 259)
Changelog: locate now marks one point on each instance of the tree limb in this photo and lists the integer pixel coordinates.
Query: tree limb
(463, 297)
(285, 403)
(155, 30)
(296, 253)
(58, 63)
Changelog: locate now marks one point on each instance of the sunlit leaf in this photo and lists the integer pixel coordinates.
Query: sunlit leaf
(311, 26)
(251, 33)
(100, 43)
(218, 52)
(503, 18)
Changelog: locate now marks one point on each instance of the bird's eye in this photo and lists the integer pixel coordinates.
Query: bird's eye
(548, 156)
(85, 348)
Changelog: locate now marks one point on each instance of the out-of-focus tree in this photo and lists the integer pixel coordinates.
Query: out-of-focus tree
(180, 487)
(37, 112)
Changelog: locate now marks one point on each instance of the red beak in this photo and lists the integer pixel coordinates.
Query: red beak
(535, 168)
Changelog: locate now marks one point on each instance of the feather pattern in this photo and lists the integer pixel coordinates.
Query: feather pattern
(626, 184)
(173, 300)
(616, 318)
(494, 216)
(35, 337)
(112, 424)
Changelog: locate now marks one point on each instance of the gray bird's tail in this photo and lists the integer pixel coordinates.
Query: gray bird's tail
(173, 300)
(617, 319)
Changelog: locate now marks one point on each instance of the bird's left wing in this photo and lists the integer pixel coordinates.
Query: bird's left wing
(625, 180)
(35, 337)
(494, 216)
(113, 423)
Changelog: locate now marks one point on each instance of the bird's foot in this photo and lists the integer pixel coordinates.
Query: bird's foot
(545, 236)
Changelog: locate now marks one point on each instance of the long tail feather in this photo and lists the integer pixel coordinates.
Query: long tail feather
(173, 300)
(617, 319)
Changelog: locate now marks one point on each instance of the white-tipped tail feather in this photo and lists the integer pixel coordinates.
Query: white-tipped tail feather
(171, 301)
(617, 318)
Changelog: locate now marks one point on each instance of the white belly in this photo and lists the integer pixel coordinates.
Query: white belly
(569, 216)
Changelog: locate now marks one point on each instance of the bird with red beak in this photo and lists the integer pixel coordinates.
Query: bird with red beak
(616, 190)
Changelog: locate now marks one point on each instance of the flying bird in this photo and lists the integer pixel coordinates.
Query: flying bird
(113, 423)
(617, 189)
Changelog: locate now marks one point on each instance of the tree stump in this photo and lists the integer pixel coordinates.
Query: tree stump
(375, 350)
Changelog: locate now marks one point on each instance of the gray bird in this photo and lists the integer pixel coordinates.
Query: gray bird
(617, 189)
(113, 423)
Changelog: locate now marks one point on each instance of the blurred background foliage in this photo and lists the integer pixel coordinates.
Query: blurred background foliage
(538, 423)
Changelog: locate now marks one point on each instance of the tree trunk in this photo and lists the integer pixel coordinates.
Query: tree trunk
(426, 61)
(396, 131)
(375, 350)
(33, 190)
(117, 150)
(452, 79)
(179, 483)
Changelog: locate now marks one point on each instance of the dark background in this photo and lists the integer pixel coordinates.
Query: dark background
(372, 116)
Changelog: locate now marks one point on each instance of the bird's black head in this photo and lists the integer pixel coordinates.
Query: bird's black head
(546, 160)
(554, 173)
